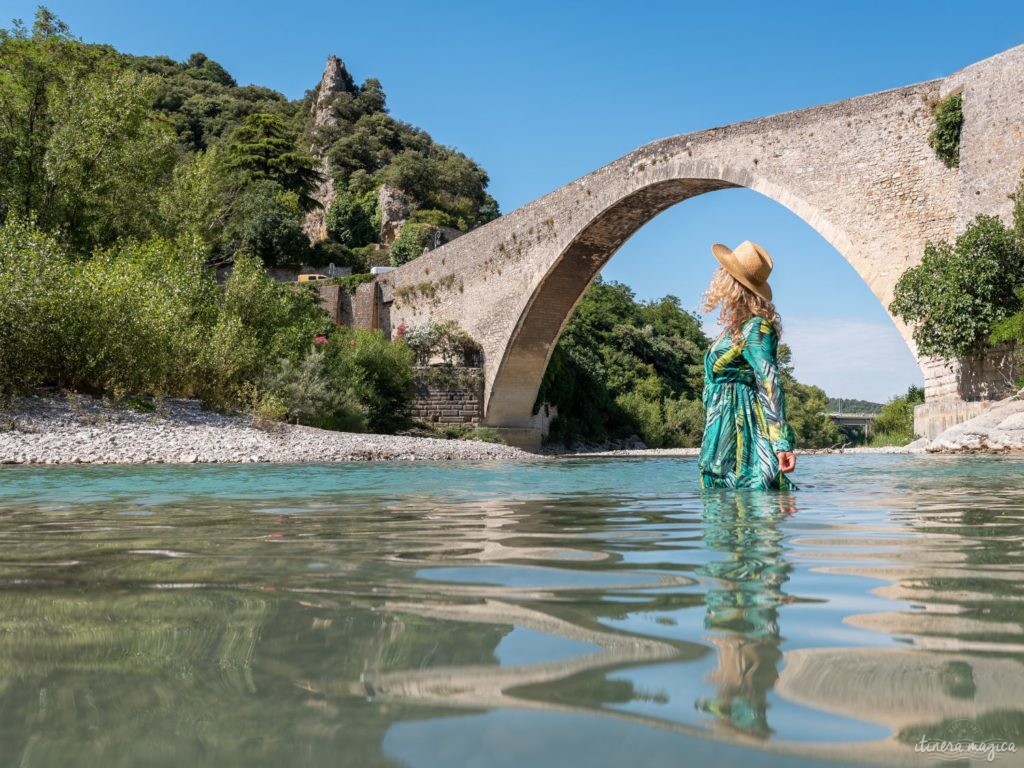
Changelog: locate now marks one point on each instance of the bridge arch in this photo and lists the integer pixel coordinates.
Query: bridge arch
(514, 388)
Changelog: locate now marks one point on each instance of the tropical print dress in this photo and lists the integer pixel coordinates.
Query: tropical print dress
(745, 412)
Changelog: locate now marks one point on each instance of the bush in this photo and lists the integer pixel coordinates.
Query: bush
(684, 422)
(34, 275)
(945, 137)
(311, 396)
(894, 424)
(644, 407)
(352, 220)
(958, 293)
(411, 240)
(447, 339)
(376, 372)
(142, 319)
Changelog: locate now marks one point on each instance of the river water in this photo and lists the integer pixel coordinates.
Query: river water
(556, 613)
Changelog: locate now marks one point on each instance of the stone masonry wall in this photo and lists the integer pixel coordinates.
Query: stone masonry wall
(337, 303)
(446, 395)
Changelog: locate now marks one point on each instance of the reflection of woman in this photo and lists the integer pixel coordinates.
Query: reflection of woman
(743, 610)
(747, 440)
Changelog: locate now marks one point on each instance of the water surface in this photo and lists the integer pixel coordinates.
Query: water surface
(576, 612)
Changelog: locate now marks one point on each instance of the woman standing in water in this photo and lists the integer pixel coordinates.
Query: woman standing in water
(747, 441)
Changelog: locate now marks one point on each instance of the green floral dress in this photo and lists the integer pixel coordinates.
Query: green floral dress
(745, 412)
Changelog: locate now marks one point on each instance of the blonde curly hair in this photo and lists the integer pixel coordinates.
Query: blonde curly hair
(738, 304)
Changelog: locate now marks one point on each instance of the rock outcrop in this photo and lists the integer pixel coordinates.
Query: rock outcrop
(394, 207)
(335, 80)
(999, 428)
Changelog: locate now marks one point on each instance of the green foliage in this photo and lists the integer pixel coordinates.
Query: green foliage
(895, 422)
(310, 395)
(435, 218)
(367, 143)
(80, 148)
(623, 367)
(945, 137)
(194, 204)
(958, 294)
(201, 100)
(108, 159)
(142, 318)
(376, 372)
(264, 148)
(352, 220)
(350, 282)
(33, 269)
(852, 405)
(267, 223)
(411, 240)
(806, 408)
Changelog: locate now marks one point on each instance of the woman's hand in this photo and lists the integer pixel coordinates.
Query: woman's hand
(787, 461)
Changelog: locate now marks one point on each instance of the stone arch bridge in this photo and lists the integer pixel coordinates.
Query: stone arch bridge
(859, 171)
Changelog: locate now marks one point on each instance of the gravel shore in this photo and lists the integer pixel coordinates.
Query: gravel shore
(83, 430)
(77, 429)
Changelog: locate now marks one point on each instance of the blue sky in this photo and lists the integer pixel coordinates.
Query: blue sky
(540, 93)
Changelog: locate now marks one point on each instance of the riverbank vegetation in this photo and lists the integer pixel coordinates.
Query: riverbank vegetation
(625, 367)
(967, 296)
(142, 202)
(894, 424)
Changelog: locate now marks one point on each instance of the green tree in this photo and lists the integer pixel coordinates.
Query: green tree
(806, 408)
(957, 294)
(894, 424)
(263, 147)
(40, 70)
(267, 223)
(623, 366)
(352, 220)
(108, 159)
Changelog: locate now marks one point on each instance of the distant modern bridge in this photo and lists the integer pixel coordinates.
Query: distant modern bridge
(860, 172)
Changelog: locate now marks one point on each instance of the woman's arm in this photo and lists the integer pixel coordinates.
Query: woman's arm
(760, 350)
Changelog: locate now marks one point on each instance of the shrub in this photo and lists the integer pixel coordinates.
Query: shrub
(142, 319)
(959, 292)
(378, 374)
(352, 220)
(684, 422)
(644, 407)
(311, 396)
(266, 409)
(446, 339)
(894, 424)
(411, 240)
(945, 137)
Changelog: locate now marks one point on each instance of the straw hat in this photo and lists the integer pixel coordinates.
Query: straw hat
(749, 263)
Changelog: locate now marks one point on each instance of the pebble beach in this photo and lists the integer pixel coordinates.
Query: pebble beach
(84, 430)
(77, 429)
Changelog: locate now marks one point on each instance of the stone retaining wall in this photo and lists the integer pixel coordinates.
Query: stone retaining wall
(447, 395)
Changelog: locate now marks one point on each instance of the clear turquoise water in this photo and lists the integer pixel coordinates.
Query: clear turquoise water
(576, 612)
